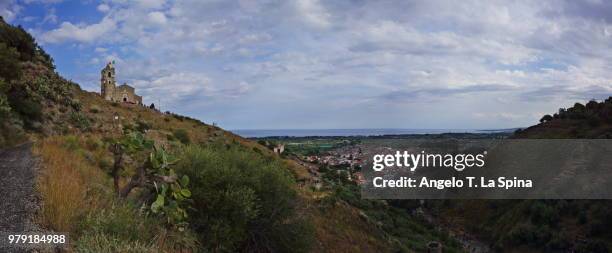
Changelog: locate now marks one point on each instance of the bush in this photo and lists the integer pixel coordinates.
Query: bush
(142, 126)
(182, 136)
(5, 107)
(9, 63)
(243, 201)
(76, 104)
(80, 121)
(94, 109)
(26, 106)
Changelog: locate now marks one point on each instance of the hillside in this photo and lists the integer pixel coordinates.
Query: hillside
(125, 178)
(546, 225)
(590, 121)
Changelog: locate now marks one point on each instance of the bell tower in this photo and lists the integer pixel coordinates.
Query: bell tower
(107, 81)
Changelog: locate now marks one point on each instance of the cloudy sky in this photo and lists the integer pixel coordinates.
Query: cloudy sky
(272, 64)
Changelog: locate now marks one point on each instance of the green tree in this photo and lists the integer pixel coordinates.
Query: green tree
(9, 63)
(546, 118)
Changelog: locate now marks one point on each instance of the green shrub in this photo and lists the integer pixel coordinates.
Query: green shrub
(76, 104)
(142, 126)
(243, 201)
(94, 109)
(9, 63)
(170, 137)
(182, 136)
(5, 107)
(80, 121)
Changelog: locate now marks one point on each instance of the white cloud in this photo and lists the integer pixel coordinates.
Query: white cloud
(9, 10)
(157, 17)
(150, 4)
(103, 8)
(313, 13)
(42, 1)
(316, 55)
(81, 33)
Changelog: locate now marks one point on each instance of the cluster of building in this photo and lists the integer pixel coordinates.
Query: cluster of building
(349, 158)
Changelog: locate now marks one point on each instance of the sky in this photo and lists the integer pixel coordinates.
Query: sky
(279, 64)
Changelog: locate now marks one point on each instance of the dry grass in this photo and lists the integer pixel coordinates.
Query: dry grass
(64, 185)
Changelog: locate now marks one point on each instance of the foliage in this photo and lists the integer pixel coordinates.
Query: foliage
(5, 107)
(26, 81)
(94, 109)
(546, 118)
(393, 217)
(92, 243)
(172, 195)
(142, 126)
(79, 120)
(243, 201)
(9, 63)
(182, 136)
(24, 43)
(120, 220)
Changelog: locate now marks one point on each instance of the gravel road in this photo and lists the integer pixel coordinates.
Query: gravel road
(18, 201)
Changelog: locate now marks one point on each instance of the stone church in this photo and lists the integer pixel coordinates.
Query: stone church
(122, 93)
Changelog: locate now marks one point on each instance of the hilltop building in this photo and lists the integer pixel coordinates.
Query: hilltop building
(280, 148)
(122, 93)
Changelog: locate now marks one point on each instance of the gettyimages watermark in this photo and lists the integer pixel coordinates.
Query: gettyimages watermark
(490, 169)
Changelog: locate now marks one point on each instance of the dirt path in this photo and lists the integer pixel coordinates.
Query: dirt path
(18, 202)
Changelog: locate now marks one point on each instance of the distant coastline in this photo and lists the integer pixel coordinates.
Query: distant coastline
(365, 132)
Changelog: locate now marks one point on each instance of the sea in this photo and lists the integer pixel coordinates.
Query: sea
(259, 133)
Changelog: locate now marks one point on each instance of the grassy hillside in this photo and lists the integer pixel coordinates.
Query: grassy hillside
(125, 178)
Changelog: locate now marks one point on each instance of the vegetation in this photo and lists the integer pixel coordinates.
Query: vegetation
(307, 146)
(182, 136)
(397, 219)
(79, 200)
(547, 225)
(593, 120)
(27, 80)
(243, 201)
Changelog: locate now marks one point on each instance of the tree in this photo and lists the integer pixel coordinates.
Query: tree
(152, 106)
(9, 63)
(546, 118)
(592, 105)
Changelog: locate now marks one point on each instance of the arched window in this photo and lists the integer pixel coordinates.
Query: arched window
(109, 74)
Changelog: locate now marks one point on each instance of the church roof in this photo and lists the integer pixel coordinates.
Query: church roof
(125, 86)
